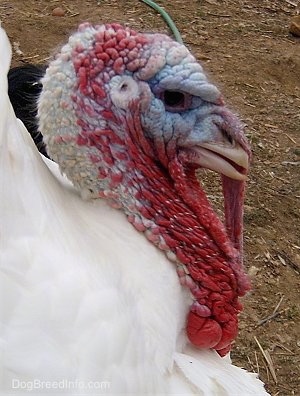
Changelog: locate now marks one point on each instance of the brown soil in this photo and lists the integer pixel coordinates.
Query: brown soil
(247, 48)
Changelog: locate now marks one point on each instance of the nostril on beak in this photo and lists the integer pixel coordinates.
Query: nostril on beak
(227, 138)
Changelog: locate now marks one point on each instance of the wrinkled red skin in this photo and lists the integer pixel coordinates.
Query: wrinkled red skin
(207, 333)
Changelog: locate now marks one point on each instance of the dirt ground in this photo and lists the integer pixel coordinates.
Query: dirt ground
(247, 50)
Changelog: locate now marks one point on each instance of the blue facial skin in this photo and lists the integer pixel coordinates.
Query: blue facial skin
(193, 119)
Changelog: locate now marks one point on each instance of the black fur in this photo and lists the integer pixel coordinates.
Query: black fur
(24, 88)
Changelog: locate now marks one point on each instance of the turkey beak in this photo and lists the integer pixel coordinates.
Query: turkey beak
(231, 161)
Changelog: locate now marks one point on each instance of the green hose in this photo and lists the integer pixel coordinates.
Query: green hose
(166, 17)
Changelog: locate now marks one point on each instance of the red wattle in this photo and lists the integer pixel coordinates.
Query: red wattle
(229, 333)
(203, 332)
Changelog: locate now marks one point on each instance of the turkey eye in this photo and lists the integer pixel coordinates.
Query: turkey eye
(174, 99)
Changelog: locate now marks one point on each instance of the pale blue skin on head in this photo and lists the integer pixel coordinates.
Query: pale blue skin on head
(171, 67)
(191, 123)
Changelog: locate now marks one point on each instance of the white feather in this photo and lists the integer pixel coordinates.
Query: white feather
(88, 305)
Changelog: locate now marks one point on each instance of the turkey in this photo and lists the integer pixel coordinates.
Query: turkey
(117, 276)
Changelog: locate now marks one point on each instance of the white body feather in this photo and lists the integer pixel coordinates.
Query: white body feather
(88, 305)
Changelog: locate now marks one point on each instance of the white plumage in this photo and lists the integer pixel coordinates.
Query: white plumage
(86, 301)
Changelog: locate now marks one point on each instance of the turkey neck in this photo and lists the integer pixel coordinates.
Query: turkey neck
(169, 206)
